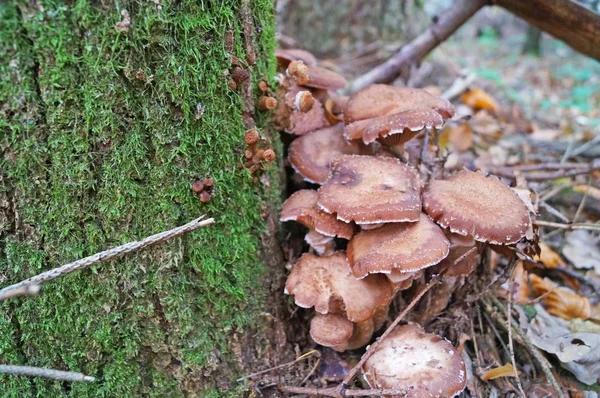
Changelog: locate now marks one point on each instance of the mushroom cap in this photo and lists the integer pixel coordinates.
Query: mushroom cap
(327, 284)
(311, 154)
(402, 247)
(302, 207)
(395, 114)
(321, 244)
(459, 247)
(469, 203)
(284, 57)
(422, 364)
(293, 120)
(362, 334)
(369, 189)
(380, 99)
(325, 79)
(330, 330)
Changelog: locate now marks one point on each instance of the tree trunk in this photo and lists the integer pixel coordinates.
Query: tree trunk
(533, 42)
(109, 111)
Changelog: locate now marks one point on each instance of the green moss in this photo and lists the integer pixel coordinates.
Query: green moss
(95, 157)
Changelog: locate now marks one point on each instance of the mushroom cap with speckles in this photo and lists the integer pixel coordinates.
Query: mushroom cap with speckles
(380, 110)
(311, 154)
(284, 57)
(302, 207)
(422, 364)
(294, 121)
(330, 330)
(402, 247)
(327, 284)
(471, 203)
(369, 189)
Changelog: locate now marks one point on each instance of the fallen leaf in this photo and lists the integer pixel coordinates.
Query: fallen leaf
(461, 137)
(582, 249)
(561, 301)
(578, 352)
(591, 191)
(479, 99)
(502, 371)
(549, 257)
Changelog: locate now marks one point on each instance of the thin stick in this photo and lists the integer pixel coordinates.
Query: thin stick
(28, 290)
(332, 392)
(105, 256)
(312, 370)
(582, 203)
(570, 227)
(511, 348)
(547, 176)
(300, 358)
(44, 372)
(373, 347)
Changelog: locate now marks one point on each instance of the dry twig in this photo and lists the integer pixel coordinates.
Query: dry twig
(300, 358)
(570, 227)
(106, 255)
(44, 372)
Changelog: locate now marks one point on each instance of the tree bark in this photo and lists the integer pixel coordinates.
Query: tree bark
(109, 111)
(444, 25)
(563, 19)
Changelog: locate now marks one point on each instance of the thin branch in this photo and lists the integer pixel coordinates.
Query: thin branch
(510, 337)
(570, 227)
(106, 255)
(445, 25)
(44, 372)
(28, 290)
(561, 170)
(332, 392)
(300, 358)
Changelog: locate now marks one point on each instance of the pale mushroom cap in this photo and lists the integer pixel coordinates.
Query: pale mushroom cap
(302, 207)
(325, 79)
(362, 334)
(321, 244)
(380, 99)
(369, 189)
(327, 284)
(469, 203)
(403, 247)
(422, 364)
(284, 57)
(330, 329)
(311, 154)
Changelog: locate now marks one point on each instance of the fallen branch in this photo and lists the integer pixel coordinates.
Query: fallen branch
(11, 291)
(332, 392)
(446, 24)
(44, 372)
(300, 358)
(570, 227)
(561, 170)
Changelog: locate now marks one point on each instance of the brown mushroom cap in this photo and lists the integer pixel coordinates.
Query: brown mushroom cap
(302, 207)
(369, 189)
(323, 245)
(284, 57)
(330, 329)
(403, 247)
(460, 246)
(328, 284)
(291, 119)
(361, 335)
(311, 154)
(422, 364)
(395, 113)
(325, 79)
(469, 203)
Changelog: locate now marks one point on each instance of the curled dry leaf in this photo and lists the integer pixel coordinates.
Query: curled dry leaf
(583, 250)
(503, 371)
(478, 99)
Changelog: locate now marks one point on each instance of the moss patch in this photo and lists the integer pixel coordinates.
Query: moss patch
(101, 139)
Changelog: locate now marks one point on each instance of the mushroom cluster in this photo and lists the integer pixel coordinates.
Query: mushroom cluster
(391, 225)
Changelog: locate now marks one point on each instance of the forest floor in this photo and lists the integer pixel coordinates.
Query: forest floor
(538, 111)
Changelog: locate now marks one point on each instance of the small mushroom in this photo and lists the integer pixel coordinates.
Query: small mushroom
(311, 154)
(322, 244)
(327, 284)
(393, 115)
(473, 204)
(405, 248)
(419, 363)
(369, 189)
(460, 246)
(337, 332)
(291, 117)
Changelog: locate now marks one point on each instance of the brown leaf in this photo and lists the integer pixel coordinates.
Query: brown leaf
(503, 371)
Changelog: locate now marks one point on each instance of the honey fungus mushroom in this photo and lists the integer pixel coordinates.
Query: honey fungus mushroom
(393, 115)
(337, 332)
(403, 248)
(302, 207)
(473, 204)
(420, 364)
(311, 154)
(327, 284)
(285, 56)
(370, 190)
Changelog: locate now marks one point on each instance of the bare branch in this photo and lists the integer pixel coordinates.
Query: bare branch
(106, 255)
(44, 372)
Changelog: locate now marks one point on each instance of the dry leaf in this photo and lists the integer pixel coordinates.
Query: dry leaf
(578, 352)
(502, 371)
(561, 301)
(461, 137)
(479, 99)
(582, 249)
(549, 257)
(591, 191)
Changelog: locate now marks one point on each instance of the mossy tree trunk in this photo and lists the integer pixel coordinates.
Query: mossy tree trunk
(103, 129)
